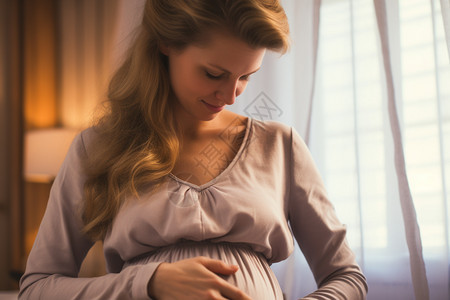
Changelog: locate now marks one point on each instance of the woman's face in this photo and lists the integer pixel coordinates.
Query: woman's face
(207, 77)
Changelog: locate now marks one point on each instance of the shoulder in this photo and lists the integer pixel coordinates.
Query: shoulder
(276, 133)
(81, 146)
(269, 137)
(271, 129)
(87, 139)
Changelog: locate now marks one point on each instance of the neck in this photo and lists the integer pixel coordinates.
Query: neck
(192, 128)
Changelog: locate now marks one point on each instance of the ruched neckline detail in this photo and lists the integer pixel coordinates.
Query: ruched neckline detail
(230, 166)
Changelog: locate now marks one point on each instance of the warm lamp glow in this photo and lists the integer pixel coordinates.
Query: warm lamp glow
(45, 150)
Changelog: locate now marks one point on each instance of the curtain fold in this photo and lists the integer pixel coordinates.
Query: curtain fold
(94, 37)
(11, 143)
(412, 230)
(445, 9)
(315, 45)
(88, 32)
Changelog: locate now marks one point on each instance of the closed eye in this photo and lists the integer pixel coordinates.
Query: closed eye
(245, 78)
(211, 76)
(217, 77)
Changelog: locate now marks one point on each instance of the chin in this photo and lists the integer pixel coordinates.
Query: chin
(209, 117)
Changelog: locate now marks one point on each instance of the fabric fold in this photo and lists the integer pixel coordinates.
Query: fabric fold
(413, 239)
(445, 10)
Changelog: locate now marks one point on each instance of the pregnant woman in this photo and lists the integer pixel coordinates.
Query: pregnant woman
(191, 201)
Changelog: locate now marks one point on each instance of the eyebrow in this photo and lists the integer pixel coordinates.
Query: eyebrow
(226, 71)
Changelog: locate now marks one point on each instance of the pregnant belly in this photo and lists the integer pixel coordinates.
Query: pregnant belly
(255, 277)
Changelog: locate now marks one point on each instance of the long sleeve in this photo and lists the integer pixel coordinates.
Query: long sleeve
(318, 232)
(60, 247)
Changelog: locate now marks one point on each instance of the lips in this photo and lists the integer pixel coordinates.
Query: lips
(213, 107)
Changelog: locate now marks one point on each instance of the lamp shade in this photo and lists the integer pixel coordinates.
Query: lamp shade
(45, 150)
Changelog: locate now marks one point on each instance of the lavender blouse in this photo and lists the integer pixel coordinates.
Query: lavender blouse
(248, 215)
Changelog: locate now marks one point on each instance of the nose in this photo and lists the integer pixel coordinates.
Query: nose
(228, 92)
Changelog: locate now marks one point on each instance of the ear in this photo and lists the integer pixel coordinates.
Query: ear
(164, 49)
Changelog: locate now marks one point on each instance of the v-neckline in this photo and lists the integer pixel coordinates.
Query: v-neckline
(225, 171)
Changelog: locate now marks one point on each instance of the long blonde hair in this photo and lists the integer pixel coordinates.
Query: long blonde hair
(136, 141)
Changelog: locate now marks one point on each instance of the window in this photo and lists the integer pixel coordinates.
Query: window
(354, 148)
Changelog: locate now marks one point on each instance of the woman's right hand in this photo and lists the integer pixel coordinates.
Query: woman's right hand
(194, 278)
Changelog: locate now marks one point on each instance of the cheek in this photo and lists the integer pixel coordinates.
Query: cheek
(181, 78)
(183, 84)
(196, 88)
(200, 86)
(189, 84)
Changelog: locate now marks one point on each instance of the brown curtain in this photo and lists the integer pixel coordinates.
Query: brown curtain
(55, 58)
(10, 141)
(39, 19)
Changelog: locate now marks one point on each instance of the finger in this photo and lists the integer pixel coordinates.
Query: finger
(218, 266)
(231, 292)
(213, 294)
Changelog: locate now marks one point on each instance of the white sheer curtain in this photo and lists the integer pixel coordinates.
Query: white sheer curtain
(379, 131)
(93, 37)
(88, 45)
(445, 8)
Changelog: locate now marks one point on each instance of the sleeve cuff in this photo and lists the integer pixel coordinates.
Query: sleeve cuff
(141, 280)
